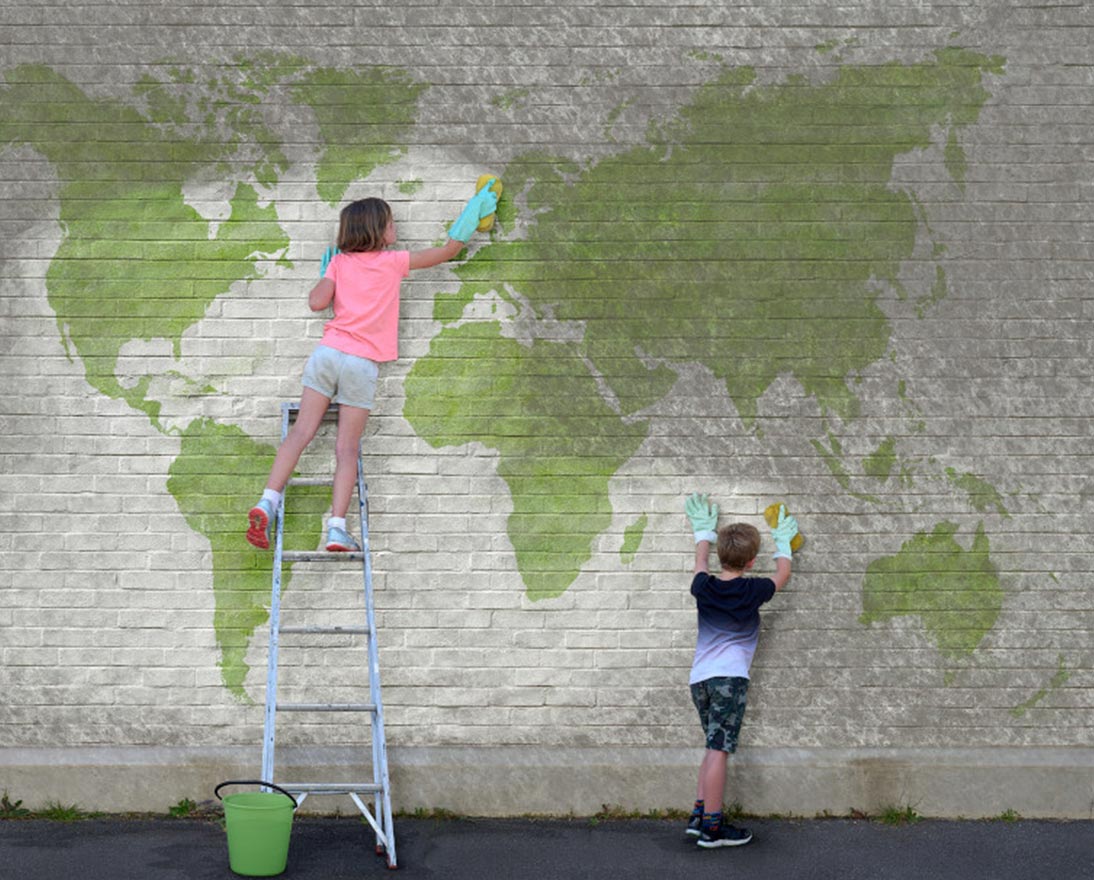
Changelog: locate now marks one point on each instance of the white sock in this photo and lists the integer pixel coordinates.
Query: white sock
(272, 496)
(336, 522)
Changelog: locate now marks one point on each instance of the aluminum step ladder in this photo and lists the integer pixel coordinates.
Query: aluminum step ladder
(379, 816)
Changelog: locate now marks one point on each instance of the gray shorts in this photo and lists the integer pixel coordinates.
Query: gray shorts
(344, 378)
(721, 703)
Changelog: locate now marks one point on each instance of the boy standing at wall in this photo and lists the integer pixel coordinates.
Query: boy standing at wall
(729, 629)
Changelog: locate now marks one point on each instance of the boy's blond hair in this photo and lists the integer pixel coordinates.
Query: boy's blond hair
(738, 545)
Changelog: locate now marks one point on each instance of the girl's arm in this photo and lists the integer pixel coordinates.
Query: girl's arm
(321, 295)
(425, 259)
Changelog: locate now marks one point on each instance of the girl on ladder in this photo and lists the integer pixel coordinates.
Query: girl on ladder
(362, 281)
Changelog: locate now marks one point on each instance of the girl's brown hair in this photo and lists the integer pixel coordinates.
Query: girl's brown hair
(362, 225)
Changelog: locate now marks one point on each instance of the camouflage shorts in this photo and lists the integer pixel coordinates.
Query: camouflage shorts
(721, 704)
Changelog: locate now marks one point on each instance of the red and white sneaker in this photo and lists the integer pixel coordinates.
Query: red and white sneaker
(260, 517)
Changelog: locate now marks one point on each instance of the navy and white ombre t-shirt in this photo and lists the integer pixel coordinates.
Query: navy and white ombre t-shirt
(729, 624)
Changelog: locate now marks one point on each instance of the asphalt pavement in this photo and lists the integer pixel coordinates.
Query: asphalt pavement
(327, 848)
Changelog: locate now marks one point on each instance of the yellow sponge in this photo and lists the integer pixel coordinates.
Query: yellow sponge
(487, 223)
(771, 517)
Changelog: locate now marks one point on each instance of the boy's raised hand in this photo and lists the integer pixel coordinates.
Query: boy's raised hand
(481, 204)
(783, 534)
(703, 516)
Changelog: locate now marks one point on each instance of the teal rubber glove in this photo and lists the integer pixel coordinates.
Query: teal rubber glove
(703, 516)
(328, 255)
(783, 534)
(481, 204)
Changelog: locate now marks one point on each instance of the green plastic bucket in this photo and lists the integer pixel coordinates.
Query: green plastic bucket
(258, 825)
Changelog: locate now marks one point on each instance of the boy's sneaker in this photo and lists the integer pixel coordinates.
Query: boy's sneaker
(695, 825)
(341, 541)
(258, 530)
(724, 835)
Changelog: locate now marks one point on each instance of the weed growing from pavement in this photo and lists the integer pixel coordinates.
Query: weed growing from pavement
(900, 816)
(183, 809)
(55, 811)
(9, 810)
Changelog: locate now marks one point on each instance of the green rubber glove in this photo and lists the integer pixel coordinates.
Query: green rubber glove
(481, 204)
(703, 516)
(328, 255)
(783, 534)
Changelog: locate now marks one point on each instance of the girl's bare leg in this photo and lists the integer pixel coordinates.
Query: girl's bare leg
(351, 425)
(313, 406)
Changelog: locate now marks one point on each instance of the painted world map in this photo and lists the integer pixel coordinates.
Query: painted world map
(774, 205)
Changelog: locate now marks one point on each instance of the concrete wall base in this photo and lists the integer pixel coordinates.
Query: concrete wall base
(512, 781)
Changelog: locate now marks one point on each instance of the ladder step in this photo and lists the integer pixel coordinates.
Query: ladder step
(326, 630)
(293, 406)
(320, 556)
(330, 787)
(327, 707)
(310, 481)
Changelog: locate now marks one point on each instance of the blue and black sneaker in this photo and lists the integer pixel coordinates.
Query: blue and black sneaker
(724, 835)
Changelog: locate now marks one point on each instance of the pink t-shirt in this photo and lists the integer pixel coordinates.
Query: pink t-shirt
(366, 303)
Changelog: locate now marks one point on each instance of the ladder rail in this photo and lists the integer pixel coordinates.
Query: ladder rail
(379, 817)
(382, 801)
(269, 726)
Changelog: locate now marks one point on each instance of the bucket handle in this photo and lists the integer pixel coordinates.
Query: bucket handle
(216, 791)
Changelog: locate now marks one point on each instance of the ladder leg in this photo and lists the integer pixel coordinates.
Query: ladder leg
(382, 804)
(269, 724)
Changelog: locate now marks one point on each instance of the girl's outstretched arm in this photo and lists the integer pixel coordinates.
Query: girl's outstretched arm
(424, 259)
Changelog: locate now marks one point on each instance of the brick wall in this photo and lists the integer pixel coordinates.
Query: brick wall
(952, 424)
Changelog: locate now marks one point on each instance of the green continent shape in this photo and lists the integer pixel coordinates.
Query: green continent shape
(879, 464)
(211, 479)
(363, 117)
(955, 592)
(775, 222)
(559, 443)
(136, 262)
